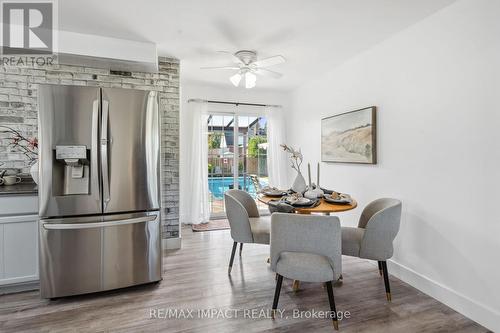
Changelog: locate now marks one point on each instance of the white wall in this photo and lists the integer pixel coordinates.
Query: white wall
(436, 87)
(219, 93)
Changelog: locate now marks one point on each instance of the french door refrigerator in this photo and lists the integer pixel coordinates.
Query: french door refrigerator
(99, 189)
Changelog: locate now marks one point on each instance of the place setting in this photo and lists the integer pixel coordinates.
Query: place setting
(273, 192)
(337, 198)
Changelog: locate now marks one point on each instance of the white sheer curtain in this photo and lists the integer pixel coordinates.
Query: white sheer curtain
(277, 163)
(197, 210)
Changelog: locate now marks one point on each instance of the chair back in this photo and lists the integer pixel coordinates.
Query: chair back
(381, 220)
(307, 233)
(238, 219)
(246, 200)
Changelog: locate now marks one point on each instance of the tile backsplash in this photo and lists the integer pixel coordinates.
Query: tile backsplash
(19, 111)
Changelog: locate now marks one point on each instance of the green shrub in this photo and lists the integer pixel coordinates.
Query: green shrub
(253, 146)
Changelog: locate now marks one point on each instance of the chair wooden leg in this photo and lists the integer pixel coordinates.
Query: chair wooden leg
(277, 294)
(241, 248)
(380, 268)
(295, 285)
(333, 310)
(386, 280)
(232, 258)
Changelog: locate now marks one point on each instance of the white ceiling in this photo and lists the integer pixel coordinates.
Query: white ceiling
(313, 36)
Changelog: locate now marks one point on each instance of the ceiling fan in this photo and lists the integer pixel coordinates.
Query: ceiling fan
(248, 67)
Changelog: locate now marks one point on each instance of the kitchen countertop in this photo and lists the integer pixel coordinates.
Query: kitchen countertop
(19, 189)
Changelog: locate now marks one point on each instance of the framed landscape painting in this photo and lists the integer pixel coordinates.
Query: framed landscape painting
(350, 137)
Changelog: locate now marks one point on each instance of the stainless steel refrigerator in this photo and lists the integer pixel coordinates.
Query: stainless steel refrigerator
(99, 189)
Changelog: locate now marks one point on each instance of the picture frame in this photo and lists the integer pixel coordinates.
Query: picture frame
(350, 137)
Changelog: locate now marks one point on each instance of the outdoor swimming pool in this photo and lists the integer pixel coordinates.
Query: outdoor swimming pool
(218, 185)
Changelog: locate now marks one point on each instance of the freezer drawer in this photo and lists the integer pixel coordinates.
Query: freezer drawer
(90, 254)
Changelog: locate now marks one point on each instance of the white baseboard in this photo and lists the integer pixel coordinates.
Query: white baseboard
(480, 313)
(171, 243)
(19, 287)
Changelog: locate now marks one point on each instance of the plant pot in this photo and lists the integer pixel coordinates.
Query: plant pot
(299, 185)
(34, 172)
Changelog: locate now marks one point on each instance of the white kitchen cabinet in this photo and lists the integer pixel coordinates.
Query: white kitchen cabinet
(11, 205)
(18, 241)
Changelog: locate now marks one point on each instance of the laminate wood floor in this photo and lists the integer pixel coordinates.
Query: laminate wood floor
(195, 277)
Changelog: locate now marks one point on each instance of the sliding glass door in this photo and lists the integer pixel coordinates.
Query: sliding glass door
(237, 147)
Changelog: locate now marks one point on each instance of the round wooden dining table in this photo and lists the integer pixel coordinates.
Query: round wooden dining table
(324, 207)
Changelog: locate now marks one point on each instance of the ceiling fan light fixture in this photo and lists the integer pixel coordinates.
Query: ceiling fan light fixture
(250, 80)
(248, 67)
(235, 79)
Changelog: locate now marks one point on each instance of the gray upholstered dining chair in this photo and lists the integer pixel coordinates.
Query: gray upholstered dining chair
(247, 226)
(377, 227)
(306, 248)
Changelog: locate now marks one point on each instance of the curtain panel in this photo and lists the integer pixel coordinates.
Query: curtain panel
(277, 163)
(197, 210)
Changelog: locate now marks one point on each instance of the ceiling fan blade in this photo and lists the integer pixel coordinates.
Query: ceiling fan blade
(267, 72)
(235, 79)
(271, 61)
(222, 67)
(235, 58)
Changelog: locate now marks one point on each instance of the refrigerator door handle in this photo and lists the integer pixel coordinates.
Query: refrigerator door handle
(104, 152)
(94, 168)
(69, 226)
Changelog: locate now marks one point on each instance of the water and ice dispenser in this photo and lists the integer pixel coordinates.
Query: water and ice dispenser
(72, 174)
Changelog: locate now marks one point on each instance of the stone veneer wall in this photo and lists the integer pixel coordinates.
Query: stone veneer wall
(19, 110)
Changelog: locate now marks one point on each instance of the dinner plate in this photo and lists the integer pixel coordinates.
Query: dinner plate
(274, 193)
(299, 202)
(344, 199)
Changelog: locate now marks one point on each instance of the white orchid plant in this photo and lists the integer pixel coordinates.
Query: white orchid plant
(296, 156)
